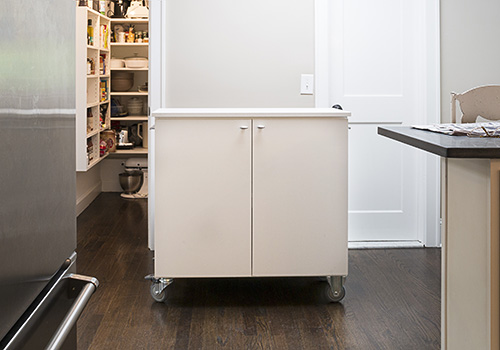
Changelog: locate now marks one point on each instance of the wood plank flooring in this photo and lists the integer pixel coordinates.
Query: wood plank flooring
(392, 299)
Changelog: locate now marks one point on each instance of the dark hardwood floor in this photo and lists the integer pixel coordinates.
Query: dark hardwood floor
(392, 299)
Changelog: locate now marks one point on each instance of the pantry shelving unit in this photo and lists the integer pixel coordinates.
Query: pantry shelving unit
(92, 86)
(141, 77)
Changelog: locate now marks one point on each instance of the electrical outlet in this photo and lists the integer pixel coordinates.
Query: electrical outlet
(306, 84)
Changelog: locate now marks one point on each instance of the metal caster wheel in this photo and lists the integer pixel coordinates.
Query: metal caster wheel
(158, 287)
(333, 297)
(158, 295)
(334, 290)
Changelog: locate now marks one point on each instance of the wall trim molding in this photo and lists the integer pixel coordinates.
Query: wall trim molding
(83, 201)
(384, 244)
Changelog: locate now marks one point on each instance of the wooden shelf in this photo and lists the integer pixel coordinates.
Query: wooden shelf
(129, 20)
(129, 69)
(130, 44)
(131, 118)
(136, 150)
(133, 93)
(93, 104)
(93, 132)
(97, 160)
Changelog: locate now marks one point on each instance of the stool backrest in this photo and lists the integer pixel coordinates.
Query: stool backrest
(481, 101)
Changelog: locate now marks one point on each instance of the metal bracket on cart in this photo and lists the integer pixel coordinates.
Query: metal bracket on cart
(158, 287)
(334, 290)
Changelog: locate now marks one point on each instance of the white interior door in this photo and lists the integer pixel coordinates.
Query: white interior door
(377, 70)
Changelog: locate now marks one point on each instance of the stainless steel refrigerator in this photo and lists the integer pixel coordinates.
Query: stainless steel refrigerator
(40, 298)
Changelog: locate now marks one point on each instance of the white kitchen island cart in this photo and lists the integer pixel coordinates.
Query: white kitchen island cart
(250, 193)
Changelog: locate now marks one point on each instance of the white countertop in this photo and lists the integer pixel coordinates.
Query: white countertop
(250, 113)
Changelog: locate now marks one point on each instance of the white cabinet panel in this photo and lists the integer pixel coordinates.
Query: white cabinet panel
(300, 197)
(256, 196)
(203, 198)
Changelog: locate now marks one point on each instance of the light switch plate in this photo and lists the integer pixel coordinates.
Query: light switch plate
(307, 84)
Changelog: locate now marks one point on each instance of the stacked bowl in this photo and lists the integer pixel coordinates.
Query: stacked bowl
(134, 106)
(122, 81)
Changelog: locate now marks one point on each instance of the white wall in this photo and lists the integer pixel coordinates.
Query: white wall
(110, 168)
(236, 53)
(88, 187)
(470, 49)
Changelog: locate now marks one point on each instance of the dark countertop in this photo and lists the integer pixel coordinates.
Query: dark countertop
(444, 145)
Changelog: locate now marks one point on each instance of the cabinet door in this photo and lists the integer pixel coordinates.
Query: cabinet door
(203, 198)
(300, 197)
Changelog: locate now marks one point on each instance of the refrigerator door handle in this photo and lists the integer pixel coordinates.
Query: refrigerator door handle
(74, 312)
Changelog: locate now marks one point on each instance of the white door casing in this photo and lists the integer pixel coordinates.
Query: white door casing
(382, 64)
(157, 99)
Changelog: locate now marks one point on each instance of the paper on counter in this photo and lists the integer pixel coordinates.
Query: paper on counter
(489, 129)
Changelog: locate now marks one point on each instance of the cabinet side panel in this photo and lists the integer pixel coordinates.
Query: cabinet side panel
(203, 198)
(300, 197)
(468, 254)
(81, 88)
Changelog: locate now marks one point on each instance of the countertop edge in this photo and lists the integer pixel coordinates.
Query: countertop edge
(249, 113)
(436, 147)
(411, 141)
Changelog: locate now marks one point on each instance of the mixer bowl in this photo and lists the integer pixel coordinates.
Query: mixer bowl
(131, 181)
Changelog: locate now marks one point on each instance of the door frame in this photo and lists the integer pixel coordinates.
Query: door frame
(429, 217)
(157, 81)
(429, 197)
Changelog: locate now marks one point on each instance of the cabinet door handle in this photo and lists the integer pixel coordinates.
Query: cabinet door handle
(243, 127)
(261, 126)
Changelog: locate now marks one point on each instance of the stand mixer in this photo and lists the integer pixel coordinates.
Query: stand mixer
(137, 9)
(134, 180)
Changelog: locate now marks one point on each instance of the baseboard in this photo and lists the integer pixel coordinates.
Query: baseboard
(384, 244)
(88, 197)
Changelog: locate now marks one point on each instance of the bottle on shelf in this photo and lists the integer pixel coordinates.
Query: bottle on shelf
(103, 112)
(131, 35)
(104, 90)
(102, 64)
(104, 33)
(90, 120)
(102, 7)
(90, 150)
(90, 66)
(103, 148)
(90, 33)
